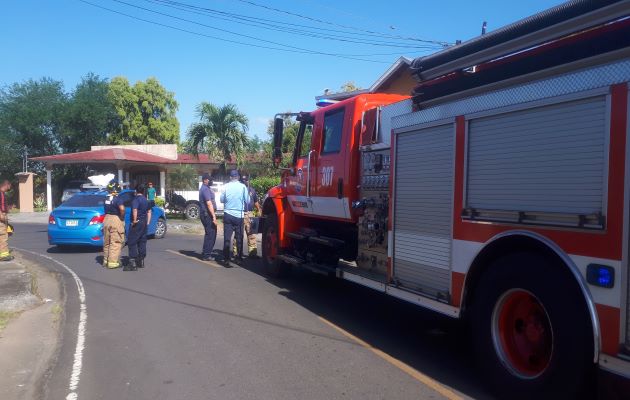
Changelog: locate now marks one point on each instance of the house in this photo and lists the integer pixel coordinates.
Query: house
(398, 79)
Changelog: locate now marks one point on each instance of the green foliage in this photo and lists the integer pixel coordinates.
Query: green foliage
(145, 112)
(183, 177)
(89, 116)
(349, 86)
(221, 132)
(262, 184)
(160, 202)
(31, 114)
(39, 203)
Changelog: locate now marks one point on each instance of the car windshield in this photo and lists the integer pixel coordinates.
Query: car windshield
(88, 200)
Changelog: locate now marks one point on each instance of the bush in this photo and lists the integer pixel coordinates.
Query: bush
(159, 201)
(262, 184)
(39, 203)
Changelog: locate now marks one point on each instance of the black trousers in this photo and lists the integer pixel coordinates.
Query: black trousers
(231, 225)
(137, 240)
(210, 237)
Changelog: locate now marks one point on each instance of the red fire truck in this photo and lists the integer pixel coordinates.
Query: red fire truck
(497, 193)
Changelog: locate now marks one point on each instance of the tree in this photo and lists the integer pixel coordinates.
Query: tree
(183, 177)
(221, 132)
(349, 86)
(31, 115)
(145, 112)
(89, 117)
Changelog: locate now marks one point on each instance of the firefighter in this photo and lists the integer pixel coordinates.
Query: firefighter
(5, 253)
(252, 204)
(137, 241)
(113, 227)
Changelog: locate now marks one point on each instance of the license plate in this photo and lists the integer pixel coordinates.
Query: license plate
(72, 222)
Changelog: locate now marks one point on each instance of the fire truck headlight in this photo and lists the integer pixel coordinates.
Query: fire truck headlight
(600, 275)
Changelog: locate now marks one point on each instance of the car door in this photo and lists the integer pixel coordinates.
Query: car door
(328, 163)
(297, 183)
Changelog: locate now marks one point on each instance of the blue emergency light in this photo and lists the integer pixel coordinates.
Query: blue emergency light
(600, 275)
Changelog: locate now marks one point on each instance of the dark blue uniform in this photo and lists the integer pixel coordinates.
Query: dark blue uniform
(210, 237)
(112, 205)
(137, 240)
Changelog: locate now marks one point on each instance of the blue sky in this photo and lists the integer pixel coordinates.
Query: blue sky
(66, 39)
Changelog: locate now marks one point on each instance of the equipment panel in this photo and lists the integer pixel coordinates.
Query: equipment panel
(374, 203)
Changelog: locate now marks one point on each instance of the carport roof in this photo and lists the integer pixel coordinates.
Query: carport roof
(105, 155)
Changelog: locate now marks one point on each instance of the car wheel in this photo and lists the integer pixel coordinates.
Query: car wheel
(160, 228)
(532, 335)
(192, 211)
(271, 249)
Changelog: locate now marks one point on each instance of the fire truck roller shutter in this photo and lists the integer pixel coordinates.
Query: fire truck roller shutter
(548, 159)
(422, 210)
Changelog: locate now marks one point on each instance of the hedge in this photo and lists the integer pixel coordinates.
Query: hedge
(262, 184)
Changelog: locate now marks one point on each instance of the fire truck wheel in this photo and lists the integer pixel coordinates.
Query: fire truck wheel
(271, 248)
(532, 335)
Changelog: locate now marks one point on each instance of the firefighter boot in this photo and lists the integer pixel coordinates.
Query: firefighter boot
(6, 256)
(131, 266)
(140, 262)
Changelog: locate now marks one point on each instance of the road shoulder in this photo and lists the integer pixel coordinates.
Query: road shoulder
(30, 341)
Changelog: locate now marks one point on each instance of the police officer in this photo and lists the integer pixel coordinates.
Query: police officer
(234, 197)
(113, 227)
(208, 217)
(5, 254)
(250, 206)
(140, 217)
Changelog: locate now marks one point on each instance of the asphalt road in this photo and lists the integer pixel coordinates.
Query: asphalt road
(184, 329)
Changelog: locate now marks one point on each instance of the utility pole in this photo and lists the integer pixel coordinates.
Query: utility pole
(25, 159)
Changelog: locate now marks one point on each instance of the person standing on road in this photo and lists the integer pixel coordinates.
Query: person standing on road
(5, 253)
(113, 227)
(234, 197)
(140, 218)
(252, 204)
(151, 195)
(208, 216)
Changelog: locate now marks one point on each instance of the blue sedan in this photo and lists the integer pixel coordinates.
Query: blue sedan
(79, 220)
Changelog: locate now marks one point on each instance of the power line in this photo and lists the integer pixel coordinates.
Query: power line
(252, 3)
(286, 26)
(248, 21)
(225, 30)
(301, 51)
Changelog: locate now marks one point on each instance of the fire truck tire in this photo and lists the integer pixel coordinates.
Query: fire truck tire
(271, 248)
(531, 332)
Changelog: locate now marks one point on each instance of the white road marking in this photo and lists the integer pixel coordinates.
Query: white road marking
(78, 352)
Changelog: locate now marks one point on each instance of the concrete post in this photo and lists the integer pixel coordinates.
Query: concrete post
(163, 184)
(49, 189)
(25, 180)
(120, 176)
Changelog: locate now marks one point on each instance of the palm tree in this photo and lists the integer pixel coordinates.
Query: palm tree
(221, 132)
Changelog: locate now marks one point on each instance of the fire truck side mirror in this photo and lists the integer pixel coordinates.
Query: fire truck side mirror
(278, 128)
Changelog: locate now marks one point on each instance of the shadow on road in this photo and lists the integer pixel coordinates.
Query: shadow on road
(433, 344)
(73, 249)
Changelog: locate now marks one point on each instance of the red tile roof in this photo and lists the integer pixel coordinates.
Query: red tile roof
(119, 154)
(115, 154)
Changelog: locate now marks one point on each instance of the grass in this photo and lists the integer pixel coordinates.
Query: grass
(5, 317)
(56, 311)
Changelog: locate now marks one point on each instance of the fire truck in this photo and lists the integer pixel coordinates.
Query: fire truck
(497, 193)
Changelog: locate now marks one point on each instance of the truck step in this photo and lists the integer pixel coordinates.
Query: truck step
(327, 241)
(289, 259)
(296, 236)
(316, 268)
